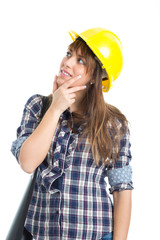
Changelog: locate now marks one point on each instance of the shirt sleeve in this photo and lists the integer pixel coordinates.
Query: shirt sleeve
(120, 173)
(29, 122)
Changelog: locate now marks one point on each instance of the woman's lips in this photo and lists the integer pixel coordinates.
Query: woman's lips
(64, 73)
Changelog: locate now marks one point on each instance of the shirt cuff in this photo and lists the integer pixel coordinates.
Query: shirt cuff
(120, 178)
(121, 187)
(120, 175)
(16, 146)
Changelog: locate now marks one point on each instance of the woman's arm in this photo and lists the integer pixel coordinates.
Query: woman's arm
(35, 148)
(122, 214)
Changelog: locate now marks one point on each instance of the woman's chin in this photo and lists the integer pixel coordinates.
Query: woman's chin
(60, 81)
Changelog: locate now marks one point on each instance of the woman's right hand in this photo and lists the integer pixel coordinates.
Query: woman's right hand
(65, 95)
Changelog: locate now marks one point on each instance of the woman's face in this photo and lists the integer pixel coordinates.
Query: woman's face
(72, 65)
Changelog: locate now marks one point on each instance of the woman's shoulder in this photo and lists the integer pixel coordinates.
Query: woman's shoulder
(33, 100)
(38, 104)
(34, 104)
(116, 117)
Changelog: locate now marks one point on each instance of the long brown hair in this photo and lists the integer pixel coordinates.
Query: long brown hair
(104, 124)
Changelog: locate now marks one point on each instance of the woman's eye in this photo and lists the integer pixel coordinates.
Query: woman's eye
(68, 54)
(81, 61)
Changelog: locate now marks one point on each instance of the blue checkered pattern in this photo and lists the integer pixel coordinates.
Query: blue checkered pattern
(70, 200)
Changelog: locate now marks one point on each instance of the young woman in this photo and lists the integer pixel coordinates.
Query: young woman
(76, 140)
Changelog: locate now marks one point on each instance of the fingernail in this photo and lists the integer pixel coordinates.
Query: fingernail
(79, 76)
(84, 86)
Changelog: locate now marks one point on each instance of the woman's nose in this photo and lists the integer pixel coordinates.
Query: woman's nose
(69, 62)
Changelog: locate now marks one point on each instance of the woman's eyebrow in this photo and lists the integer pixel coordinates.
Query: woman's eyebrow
(81, 56)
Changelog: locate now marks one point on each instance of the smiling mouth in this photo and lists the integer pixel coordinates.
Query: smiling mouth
(66, 73)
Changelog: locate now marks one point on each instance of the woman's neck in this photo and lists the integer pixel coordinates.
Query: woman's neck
(75, 108)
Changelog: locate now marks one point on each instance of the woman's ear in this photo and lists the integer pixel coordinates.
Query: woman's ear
(91, 83)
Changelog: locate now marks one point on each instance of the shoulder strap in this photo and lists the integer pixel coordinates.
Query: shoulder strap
(45, 105)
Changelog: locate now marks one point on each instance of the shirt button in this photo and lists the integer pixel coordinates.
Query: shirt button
(62, 150)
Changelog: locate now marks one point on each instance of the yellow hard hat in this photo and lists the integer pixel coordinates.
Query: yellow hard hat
(108, 49)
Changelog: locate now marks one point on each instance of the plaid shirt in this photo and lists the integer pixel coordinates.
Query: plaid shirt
(70, 200)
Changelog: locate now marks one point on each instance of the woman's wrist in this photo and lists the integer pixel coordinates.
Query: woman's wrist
(54, 111)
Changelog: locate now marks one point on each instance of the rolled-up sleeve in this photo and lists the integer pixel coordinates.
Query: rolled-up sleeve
(120, 172)
(16, 146)
(29, 122)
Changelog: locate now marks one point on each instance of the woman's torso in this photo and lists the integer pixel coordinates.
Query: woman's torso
(79, 207)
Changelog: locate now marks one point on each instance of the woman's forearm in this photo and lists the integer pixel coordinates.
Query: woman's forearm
(35, 148)
(122, 214)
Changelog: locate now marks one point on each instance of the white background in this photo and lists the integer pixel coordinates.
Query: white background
(34, 38)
